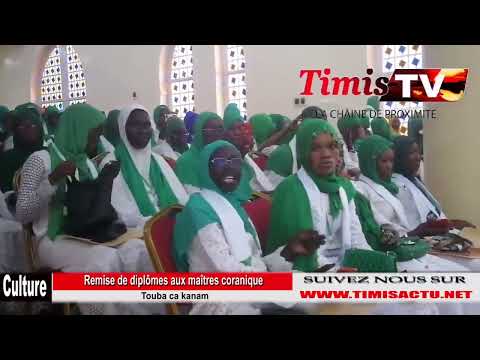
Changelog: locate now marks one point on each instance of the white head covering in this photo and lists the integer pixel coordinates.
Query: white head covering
(140, 157)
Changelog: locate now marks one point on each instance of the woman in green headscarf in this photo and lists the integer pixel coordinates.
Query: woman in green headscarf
(238, 133)
(111, 132)
(51, 118)
(381, 128)
(146, 183)
(315, 202)
(175, 143)
(40, 195)
(213, 233)
(27, 139)
(351, 128)
(208, 128)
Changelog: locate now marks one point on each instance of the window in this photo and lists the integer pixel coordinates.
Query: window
(236, 77)
(182, 91)
(63, 78)
(401, 57)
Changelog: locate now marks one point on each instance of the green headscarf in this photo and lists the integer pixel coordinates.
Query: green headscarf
(174, 123)
(13, 159)
(159, 111)
(262, 126)
(415, 125)
(381, 127)
(291, 211)
(281, 160)
(198, 213)
(186, 165)
(71, 140)
(374, 102)
(231, 116)
(369, 150)
(111, 127)
(348, 122)
(3, 112)
(280, 122)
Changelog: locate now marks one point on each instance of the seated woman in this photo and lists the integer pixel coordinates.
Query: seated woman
(351, 129)
(51, 118)
(213, 233)
(419, 203)
(208, 128)
(176, 139)
(375, 184)
(315, 201)
(110, 131)
(40, 202)
(237, 133)
(27, 139)
(147, 184)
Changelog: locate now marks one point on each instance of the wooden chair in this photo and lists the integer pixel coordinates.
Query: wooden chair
(158, 235)
(258, 209)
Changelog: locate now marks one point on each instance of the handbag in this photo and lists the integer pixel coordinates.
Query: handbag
(90, 213)
(370, 260)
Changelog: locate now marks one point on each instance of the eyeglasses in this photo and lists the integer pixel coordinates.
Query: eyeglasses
(222, 162)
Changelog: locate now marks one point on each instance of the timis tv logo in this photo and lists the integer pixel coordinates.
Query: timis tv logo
(418, 85)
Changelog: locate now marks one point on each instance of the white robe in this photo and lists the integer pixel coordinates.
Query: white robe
(418, 207)
(62, 254)
(163, 148)
(350, 159)
(218, 247)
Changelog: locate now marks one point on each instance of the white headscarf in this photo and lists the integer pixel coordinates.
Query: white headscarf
(140, 157)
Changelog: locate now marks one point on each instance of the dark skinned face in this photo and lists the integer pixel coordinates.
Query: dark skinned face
(138, 129)
(161, 124)
(239, 136)
(358, 133)
(53, 120)
(385, 165)
(413, 159)
(213, 131)
(27, 132)
(225, 168)
(324, 155)
(178, 139)
(396, 123)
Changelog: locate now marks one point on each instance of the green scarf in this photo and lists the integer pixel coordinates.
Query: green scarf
(136, 184)
(381, 127)
(281, 160)
(174, 123)
(262, 126)
(291, 207)
(13, 159)
(374, 102)
(369, 150)
(51, 110)
(111, 127)
(3, 112)
(231, 116)
(186, 166)
(370, 228)
(348, 122)
(280, 122)
(198, 213)
(71, 141)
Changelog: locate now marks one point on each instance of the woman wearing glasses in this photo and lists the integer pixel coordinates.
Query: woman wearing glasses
(147, 183)
(213, 233)
(208, 128)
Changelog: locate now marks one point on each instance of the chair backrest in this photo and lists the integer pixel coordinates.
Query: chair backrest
(259, 212)
(261, 160)
(158, 235)
(170, 162)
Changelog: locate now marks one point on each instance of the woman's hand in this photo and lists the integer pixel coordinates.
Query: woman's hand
(110, 171)
(303, 244)
(64, 169)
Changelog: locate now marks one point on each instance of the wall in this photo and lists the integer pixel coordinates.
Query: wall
(451, 141)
